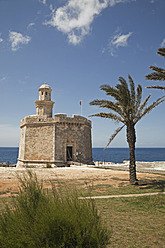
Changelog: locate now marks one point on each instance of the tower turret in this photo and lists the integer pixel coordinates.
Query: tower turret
(44, 105)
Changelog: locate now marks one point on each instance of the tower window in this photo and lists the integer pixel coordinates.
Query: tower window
(42, 93)
(46, 93)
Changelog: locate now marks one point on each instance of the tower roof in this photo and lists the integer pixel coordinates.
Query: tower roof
(45, 86)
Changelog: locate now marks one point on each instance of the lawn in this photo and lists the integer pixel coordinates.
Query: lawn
(135, 222)
(146, 185)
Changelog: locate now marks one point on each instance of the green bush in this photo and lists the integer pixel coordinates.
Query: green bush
(48, 165)
(40, 220)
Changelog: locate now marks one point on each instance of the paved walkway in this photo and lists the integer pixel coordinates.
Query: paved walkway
(119, 196)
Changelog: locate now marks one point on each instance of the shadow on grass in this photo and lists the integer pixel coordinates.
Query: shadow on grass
(152, 184)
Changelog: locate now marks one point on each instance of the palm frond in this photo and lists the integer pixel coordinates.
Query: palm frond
(123, 83)
(97, 102)
(132, 87)
(157, 69)
(132, 97)
(138, 97)
(114, 135)
(110, 91)
(109, 105)
(156, 87)
(142, 106)
(158, 75)
(124, 92)
(111, 116)
(149, 108)
(161, 51)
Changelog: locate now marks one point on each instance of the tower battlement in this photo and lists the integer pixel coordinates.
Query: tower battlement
(58, 118)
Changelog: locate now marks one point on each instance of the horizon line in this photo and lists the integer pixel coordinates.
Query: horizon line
(100, 147)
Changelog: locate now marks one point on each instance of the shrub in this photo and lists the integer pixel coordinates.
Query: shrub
(40, 220)
(48, 165)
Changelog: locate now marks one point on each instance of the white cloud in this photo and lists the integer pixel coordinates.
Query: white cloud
(30, 25)
(43, 1)
(17, 39)
(114, 2)
(118, 40)
(1, 38)
(2, 79)
(75, 18)
(163, 43)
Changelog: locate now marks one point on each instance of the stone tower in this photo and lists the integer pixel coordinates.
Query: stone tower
(58, 140)
(44, 105)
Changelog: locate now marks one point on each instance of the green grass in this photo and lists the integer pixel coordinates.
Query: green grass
(135, 222)
(145, 186)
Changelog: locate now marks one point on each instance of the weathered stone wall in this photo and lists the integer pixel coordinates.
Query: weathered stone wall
(39, 143)
(65, 135)
(46, 140)
(85, 145)
(73, 131)
(22, 143)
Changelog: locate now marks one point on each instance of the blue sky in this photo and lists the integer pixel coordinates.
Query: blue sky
(75, 46)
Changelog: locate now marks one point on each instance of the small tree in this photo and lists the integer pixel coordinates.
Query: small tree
(127, 109)
(158, 74)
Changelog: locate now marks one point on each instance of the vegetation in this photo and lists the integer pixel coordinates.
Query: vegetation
(127, 109)
(145, 186)
(135, 222)
(40, 220)
(159, 73)
(48, 165)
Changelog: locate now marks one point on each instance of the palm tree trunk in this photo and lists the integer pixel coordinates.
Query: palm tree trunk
(131, 139)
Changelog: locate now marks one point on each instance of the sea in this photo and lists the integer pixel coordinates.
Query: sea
(116, 155)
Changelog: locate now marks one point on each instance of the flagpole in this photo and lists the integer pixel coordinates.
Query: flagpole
(81, 106)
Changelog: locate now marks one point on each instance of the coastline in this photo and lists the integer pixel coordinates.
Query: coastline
(141, 166)
(114, 155)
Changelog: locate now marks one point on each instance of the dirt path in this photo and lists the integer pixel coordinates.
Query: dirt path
(119, 196)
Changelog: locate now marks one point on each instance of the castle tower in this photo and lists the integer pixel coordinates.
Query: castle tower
(44, 105)
(59, 140)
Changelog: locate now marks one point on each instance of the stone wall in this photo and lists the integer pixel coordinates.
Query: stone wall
(75, 132)
(39, 143)
(46, 140)
(22, 143)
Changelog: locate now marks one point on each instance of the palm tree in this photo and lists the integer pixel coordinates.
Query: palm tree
(158, 74)
(127, 109)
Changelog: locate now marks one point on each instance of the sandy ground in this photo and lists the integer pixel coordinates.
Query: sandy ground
(75, 174)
